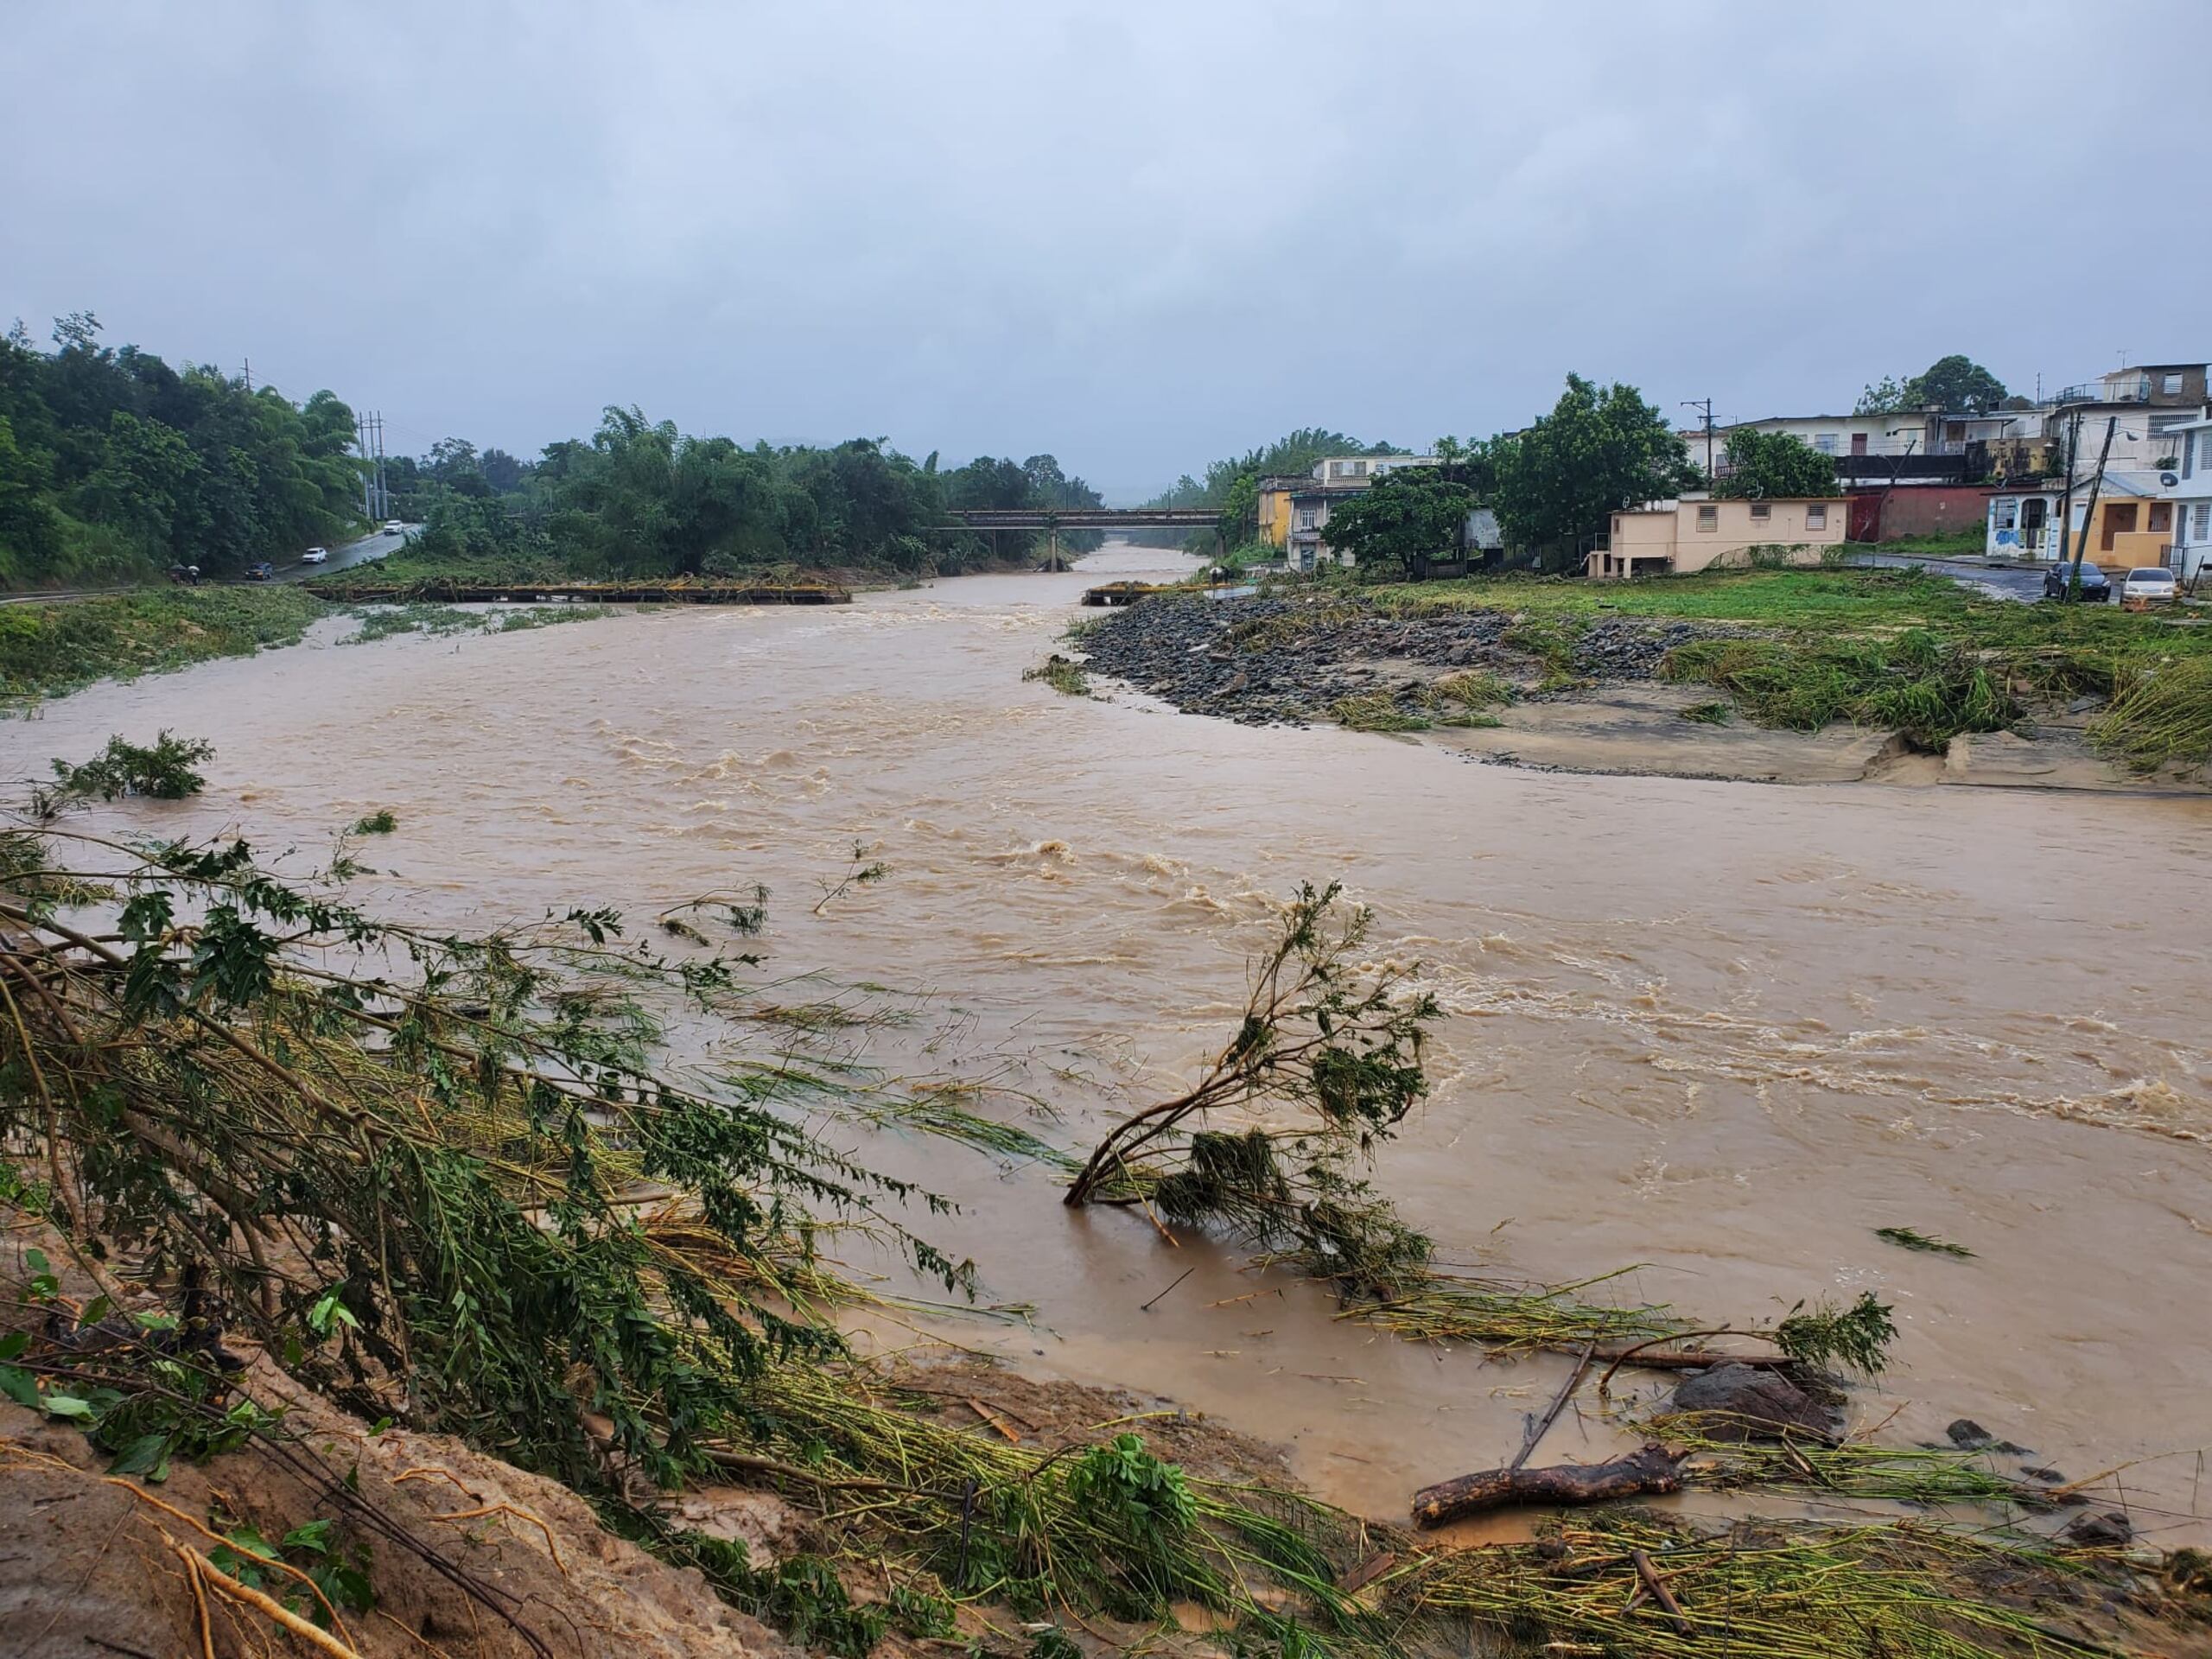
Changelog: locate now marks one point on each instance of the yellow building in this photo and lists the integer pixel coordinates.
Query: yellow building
(2131, 529)
(1675, 538)
(1274, 507)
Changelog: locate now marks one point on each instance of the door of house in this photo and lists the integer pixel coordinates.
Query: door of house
(2032, 513)
(2119, 520)
(1858, 444)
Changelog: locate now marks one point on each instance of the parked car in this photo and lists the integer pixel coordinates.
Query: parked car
(2153, 585)
(315, 555)
(2096, 585)
(263, 572)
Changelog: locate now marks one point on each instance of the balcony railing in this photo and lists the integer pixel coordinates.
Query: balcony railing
(2133, 389)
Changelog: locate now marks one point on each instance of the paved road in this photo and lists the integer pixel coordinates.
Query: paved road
(374, 545)
(2026, 586)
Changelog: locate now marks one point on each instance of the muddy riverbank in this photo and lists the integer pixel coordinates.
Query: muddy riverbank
(1716, 1033)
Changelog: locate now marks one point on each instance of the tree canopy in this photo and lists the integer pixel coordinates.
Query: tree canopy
(114, 465)
(1774, 464)
(1601, 449)
(1406, 518)
(641, 498)
(1957, 384)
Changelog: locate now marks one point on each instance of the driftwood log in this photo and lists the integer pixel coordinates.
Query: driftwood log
(1650, 1472)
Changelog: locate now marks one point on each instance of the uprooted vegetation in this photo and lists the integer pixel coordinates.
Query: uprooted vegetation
(287, 1149)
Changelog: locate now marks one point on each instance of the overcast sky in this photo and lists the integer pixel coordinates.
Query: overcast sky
(1137, 235)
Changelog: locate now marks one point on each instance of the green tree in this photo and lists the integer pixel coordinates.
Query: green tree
(1404, 520)
(1885, 397)
(1774, 464)
(1957, 384)
(1601, 449)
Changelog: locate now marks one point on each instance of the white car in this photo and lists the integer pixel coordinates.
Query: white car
(315, 555)
(2153, 585)
(393, 527)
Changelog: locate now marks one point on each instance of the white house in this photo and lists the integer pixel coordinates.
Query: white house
(2191, 494)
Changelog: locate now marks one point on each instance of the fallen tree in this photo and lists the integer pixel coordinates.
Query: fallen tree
(1650, 1471)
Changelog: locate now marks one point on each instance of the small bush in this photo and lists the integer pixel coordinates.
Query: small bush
(1709, 713)
(1064, 674)
(376, 823)
(166, 771)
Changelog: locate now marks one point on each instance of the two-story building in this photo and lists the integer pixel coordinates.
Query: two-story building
(1698, 532)
(2145, 406)
(1309, 500)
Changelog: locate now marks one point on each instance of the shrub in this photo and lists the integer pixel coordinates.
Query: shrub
(166, 771)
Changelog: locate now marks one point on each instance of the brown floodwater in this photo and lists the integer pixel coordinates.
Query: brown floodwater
(1719, 1031)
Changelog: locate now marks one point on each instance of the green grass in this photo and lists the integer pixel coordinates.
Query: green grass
(383, 621)
(48, 650)
(1900, 650)
(1373, 711)
(1065, 675)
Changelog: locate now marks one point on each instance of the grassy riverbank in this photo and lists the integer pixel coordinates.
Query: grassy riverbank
(47, 650)
(1900, 650)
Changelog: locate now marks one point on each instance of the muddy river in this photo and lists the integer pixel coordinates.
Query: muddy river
(1722, 1031)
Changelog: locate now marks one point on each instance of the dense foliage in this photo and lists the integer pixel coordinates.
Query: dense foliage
(641, 498)
(1764, 466)
(1601, 449)
(113, 465)
(1404, 521)
(1957, 384)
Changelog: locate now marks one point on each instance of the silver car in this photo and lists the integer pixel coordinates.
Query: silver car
(2153, 585)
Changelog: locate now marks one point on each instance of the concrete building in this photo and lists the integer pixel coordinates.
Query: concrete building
(2191, 495)
(2023, 523)
(2147, 406)
(2133, 526)
(1696, 533)
(1306, 500)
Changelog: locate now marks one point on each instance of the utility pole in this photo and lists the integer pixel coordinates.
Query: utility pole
(361, 443)
(248, 375)
(2081, 542)
(2069, 443)
(1705, 404)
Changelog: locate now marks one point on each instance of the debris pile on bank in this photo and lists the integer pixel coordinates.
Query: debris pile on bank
(1271, 660)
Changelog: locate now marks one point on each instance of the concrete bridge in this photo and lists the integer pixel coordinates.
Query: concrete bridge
(1053, 520)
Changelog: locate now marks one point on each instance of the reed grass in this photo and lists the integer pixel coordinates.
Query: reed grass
(2160, 715)
(1376, 711)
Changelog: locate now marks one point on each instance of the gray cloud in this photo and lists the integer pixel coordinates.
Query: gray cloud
(1139, 235)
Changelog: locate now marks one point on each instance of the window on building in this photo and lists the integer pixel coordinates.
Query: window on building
(2170, 384)
(1761, 512)
(2162, 516)
(1616, 527)
(1336, 469)
(1708, 518)
(1816, 518)
(1359, 469)
(1824, 443)
(2200, 522)
(2007, 510)
(1305, 518)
